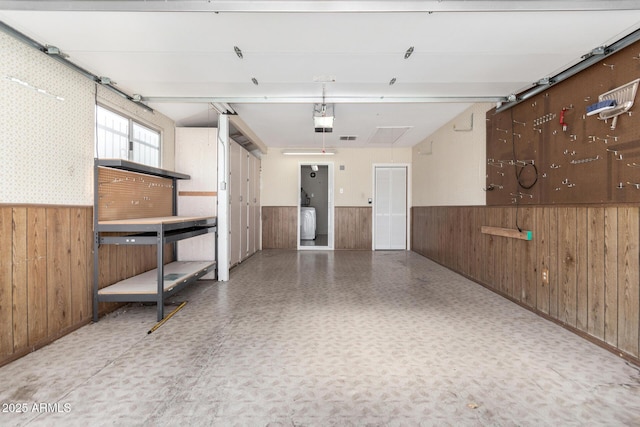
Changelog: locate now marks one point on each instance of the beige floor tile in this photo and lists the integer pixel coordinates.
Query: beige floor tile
(326, 339)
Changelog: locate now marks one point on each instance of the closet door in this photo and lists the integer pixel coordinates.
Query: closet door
(257, 225)
(244, 215)
(235, 202)
(254, 204)
(390, 208)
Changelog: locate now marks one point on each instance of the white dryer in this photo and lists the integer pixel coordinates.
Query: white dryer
(307, 223)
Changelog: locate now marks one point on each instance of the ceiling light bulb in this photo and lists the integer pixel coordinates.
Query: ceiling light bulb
(325, 122)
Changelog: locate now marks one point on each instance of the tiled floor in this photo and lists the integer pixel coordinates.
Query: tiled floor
(322, 339)
(320, 240)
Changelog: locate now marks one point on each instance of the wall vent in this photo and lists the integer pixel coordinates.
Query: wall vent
(348, 137)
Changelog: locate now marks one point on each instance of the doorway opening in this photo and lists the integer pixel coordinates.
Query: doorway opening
(315, 206)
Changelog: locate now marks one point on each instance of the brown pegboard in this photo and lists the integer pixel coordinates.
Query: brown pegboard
(513, 156)
(586, 161)
(127, 195)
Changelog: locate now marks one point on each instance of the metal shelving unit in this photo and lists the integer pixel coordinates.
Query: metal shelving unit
(157, 231)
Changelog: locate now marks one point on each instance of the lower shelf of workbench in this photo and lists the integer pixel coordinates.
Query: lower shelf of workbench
(144, 287)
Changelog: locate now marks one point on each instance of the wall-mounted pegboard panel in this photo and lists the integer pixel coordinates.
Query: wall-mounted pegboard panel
(127, 195)
(548, 150)
(513, 158)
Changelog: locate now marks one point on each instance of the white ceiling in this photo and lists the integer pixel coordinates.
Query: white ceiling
(188, 55)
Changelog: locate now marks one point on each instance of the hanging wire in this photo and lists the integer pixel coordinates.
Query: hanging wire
(95, 121)
(324, 113)
(323, 132)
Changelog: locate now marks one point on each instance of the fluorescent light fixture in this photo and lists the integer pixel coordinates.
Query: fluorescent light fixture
(306, 152)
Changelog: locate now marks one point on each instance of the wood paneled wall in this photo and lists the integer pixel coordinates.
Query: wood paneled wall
(279, 227)
(353, 228)
(591, 254)
(119, 262)
(46, 273)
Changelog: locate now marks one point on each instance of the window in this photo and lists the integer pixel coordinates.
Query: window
(122, 138)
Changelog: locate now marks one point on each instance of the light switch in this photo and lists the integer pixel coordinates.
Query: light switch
(341, 190)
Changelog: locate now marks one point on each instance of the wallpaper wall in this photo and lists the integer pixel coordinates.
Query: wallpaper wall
(47, 128)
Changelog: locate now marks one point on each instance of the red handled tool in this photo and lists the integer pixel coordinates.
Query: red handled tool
(562, 122)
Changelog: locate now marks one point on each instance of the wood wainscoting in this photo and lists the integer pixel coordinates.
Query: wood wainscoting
(353, 228)
(46, 273)
(279, 225)
(589, 254)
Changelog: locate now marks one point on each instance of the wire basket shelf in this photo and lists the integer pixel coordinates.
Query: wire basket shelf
(624, 97)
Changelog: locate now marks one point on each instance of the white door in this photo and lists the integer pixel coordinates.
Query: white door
(255, 205)
(251, 206)
(235, 202)
(390, 208)
(244, 197)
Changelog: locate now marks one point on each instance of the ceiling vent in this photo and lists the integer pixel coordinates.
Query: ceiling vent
(348, 137)
(388, 134)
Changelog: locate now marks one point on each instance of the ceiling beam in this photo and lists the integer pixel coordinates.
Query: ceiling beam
(320, 99)
(306, 6)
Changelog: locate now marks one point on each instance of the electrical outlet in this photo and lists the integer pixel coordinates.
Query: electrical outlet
(545, 276)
